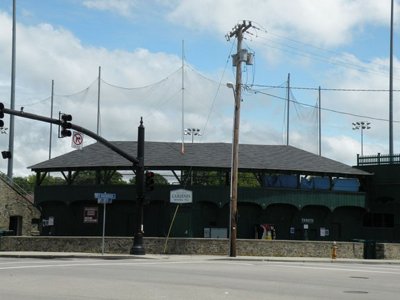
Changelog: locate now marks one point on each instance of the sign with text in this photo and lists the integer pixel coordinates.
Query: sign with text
(105, 198)
(90, 214)
(181, 196)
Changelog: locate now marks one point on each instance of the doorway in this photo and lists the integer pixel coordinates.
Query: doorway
(16, 225)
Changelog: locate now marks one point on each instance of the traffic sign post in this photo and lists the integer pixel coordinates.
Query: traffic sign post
(104, 198)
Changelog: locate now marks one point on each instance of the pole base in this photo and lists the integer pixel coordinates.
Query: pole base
(138, 248)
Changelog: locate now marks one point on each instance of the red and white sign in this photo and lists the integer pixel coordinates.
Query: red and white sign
(77, 140)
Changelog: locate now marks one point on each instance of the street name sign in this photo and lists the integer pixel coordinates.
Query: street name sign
(105, 198)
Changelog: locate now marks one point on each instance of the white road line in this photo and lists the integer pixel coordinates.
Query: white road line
(78, 263)
(350, 269)
(112, 263)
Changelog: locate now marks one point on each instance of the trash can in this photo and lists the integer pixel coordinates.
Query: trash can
(369, 249)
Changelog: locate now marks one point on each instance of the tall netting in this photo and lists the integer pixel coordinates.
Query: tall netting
(303, 123)
(284, 120)
(188, 99)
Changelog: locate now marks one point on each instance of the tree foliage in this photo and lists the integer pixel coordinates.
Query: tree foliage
(218, 178)
(158, 180)
(92, 177)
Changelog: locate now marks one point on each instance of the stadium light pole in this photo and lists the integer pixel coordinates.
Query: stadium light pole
(192, 132)
(361, 126)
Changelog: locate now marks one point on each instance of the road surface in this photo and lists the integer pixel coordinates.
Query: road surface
(197, 277)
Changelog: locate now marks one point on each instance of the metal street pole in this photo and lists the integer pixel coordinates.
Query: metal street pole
(391, 86)
(104, 227)
(12, 102)
(138, 248)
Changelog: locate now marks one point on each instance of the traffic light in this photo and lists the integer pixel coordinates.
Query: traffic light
(149, 181)
(65, 125)
(1, 114)
(6, 154)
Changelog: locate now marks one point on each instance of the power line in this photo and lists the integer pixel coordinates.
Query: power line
(322, 89)
(286, 44)
(313, 106)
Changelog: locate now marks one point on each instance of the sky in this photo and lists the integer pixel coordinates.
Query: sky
(168, 61)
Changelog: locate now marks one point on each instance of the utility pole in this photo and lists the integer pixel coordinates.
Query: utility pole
(240, 57)
(288, 110)
(98, 102)
(319, 122)
(391, 87)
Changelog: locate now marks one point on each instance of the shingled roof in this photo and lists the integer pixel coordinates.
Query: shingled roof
(168, 156)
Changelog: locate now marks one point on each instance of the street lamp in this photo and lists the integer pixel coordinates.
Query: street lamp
(192, 132)
(361, 126)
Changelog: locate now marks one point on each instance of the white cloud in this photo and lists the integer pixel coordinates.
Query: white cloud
(325, 23)
(46, 52)
(122, 7)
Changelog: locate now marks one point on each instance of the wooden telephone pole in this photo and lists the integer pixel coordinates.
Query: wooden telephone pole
(240, 57)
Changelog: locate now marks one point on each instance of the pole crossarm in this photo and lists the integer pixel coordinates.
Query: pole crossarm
(238, 28)
(81, 129)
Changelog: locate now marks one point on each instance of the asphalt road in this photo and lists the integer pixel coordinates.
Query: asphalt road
(192, 278)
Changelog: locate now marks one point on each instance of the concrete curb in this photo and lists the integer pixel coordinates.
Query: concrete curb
(55, 255)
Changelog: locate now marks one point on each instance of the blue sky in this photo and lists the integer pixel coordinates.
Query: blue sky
(333, 44)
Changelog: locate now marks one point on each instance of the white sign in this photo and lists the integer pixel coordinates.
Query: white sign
(307, 221)
(77, 140)
(322, 231)
(181, 196)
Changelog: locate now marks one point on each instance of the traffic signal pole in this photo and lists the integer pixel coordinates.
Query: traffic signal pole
(58, 122)
(138, 163)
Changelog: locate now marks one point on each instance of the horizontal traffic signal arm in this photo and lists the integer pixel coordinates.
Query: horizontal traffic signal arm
(83, 130)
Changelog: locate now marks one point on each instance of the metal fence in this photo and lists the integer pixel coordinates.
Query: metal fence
(380, 159)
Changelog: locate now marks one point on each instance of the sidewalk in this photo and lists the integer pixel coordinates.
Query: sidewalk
(111, 256)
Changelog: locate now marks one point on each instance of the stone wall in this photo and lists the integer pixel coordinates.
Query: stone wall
(391, 251)
(193, 246)
(14, 204)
